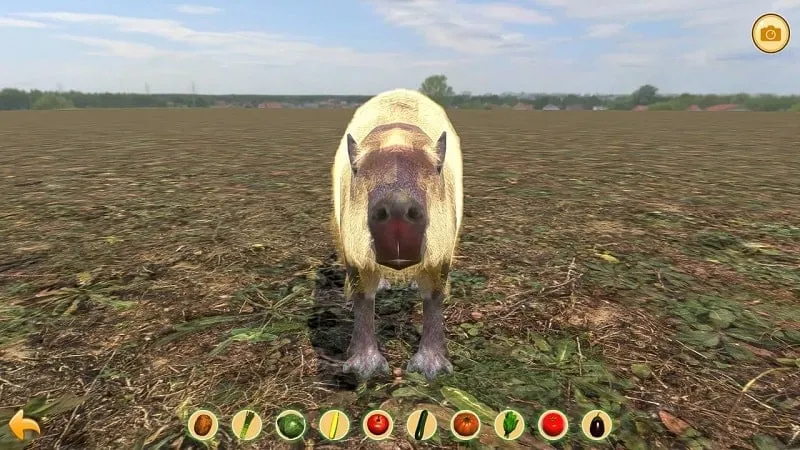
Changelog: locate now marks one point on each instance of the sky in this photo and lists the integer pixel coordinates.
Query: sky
(367, 46)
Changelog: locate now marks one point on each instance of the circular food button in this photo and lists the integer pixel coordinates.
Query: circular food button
(246, 425)
(509, 425)
(553, 425)
(334, 425)
(378, 425)
(290, 425)
(202, 425)
(465, 425)
(421, 425)
(596, 425)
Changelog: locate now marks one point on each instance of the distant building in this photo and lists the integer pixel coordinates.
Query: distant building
(726, 107)
(523, 107)
(694, 108)
(270, 105)
(333, 103)
(599, 108)
(640, 108)
(551, 107)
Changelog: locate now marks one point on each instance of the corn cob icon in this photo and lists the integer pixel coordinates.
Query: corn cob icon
(334, 425)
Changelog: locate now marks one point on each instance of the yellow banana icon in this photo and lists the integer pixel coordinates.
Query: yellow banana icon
(334, 425)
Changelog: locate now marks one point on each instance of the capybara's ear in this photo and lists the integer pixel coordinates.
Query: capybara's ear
(352, 150)
(441, 150)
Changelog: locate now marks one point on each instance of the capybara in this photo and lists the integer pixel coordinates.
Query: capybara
(397, 208)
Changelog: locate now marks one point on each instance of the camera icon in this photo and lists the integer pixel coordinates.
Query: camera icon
(771, 33)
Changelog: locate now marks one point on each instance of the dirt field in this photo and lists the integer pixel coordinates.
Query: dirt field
(153, 262)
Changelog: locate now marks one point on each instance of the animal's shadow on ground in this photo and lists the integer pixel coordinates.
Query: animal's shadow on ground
(331, 322)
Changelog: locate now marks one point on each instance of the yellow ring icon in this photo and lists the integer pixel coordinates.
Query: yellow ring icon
(507, 419)
(378, 435)
(468, 419)
(770, 33)
(202, 425)
(334, 425)
(421, 425)
(596, 425)
(253, 422)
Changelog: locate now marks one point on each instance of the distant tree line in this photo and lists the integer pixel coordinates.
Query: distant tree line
(13, 99)
(648, 95)
(435, 86)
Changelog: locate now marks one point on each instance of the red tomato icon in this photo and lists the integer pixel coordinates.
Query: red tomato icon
(377, 424)
(553, 424)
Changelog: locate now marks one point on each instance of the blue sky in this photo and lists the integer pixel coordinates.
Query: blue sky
(366, 46)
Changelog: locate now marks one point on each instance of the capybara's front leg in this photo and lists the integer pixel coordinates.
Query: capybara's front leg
(364, 358)
(431, 357)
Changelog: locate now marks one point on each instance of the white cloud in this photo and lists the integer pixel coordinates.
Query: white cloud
(604, 30)
(782, 5)
(221, 48)
(197, 9)
(123, 49)
(8, 22)
(698, 11)
(628, 59)
(509, 13)
(164, 28)
(696, 57)
(650, 10)
(467, 28)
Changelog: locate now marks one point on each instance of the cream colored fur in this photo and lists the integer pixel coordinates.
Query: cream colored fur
(349, 211)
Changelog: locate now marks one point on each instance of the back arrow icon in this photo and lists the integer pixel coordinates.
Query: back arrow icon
(18, 424)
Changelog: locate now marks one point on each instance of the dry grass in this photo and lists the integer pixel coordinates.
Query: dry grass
(157, 261)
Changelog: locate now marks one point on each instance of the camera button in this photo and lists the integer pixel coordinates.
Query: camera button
(770, 33)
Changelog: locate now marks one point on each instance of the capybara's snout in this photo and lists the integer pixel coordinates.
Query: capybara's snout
(397, 223)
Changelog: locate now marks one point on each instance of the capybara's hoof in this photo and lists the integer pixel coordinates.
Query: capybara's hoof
(430, 364)
(366, 364)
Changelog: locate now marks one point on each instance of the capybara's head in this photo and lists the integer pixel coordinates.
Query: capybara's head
(400, 183)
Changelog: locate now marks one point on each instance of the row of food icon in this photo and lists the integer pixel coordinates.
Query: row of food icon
(421, 425)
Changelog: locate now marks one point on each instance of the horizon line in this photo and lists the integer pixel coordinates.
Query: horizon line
(506, 93)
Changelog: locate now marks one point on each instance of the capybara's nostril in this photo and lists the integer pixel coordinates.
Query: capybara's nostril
(414, 213)
(381, 214)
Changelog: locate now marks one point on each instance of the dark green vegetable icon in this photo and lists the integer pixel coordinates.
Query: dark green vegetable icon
(510, 423)
(423, 419)
(248, 418)
(291, 426)
(597, 428)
